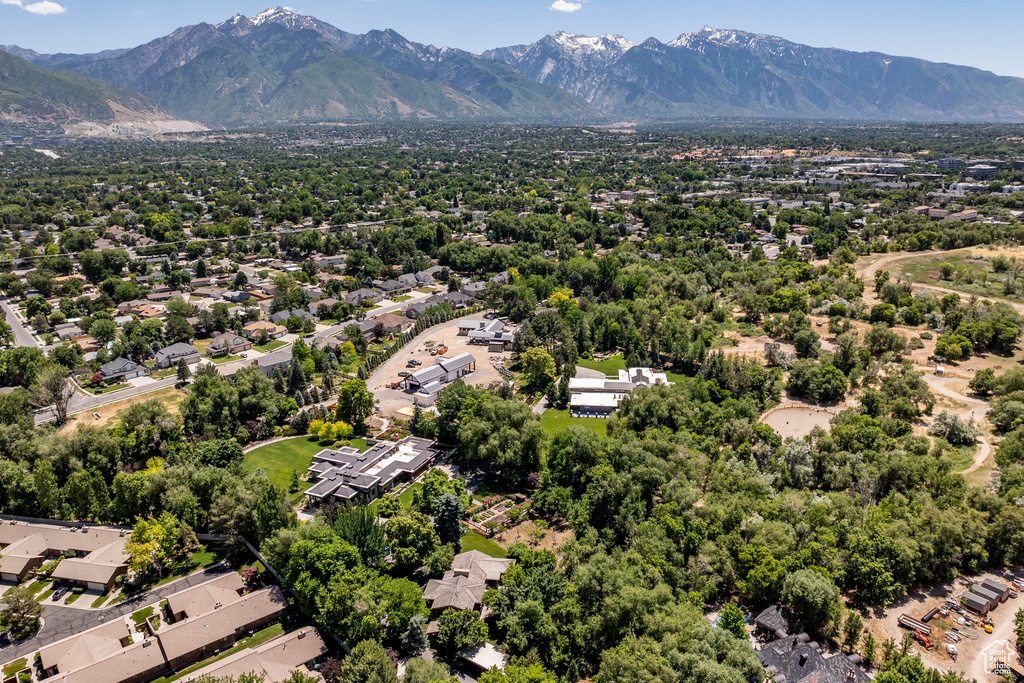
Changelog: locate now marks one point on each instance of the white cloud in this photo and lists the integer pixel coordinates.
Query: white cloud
(44, 7)
(565, 6)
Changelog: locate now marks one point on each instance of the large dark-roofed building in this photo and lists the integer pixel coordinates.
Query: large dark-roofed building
(793, 661)
(345, 474)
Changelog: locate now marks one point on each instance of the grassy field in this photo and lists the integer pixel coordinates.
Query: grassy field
(279, 459)
(609, 366)
(475, 541)
(254, 640)
(555, 421)
(971, 276)
(272, 345)
(166, 372)
(220, 360)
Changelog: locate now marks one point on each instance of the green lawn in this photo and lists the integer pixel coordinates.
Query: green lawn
(99, 391)
(76, 593)
(278, 460)
(143, 614)
(272, 345)
(166, 372)
(44, 595)
(37, 586)
(220, 360)
(400, 298)
(406, 497)
(14, 667)
(425, 290)
(609, 366)
(254, 640)
(98, 602)
(475, 541)
(555, 421)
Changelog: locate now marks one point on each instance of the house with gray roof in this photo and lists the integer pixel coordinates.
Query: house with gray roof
(426, 383)
(353, 477)
(121, 368)
(171, 355)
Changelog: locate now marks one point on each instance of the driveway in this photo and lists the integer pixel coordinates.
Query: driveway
(61, 622)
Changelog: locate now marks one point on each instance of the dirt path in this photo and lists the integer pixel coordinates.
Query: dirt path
(868, 271)
(975, 409)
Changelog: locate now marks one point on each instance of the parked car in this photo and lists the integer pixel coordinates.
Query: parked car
(415, 362)
(403, 373)
(60, 593)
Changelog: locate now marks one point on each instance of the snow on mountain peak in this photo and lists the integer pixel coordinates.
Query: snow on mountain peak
(271, 15)
(605, 43)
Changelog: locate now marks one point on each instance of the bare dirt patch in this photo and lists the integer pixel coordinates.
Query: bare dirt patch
(169, 397)
(549, 538)
(797, 420)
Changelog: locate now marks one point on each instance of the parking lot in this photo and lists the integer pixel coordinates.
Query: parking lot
(446, 334)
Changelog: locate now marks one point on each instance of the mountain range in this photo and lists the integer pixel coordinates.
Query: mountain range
(280, 67)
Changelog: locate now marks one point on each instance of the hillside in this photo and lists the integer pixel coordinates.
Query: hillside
(282, 67)
(32, 94)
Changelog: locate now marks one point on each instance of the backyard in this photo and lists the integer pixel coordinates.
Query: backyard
(609, 366)
(555, 421)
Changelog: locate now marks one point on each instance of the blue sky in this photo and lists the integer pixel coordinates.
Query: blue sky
(981, 33)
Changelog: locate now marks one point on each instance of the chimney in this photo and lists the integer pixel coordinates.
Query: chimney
(796, 642)
(803, 659)
(851, 675)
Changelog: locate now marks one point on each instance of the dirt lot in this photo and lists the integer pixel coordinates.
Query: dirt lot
(170, 397)
(531, 535)
(391, 400)
(797, 420)
(971, 659)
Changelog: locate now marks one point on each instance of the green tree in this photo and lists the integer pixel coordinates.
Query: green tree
(368, 663)
(459, 629)
(183, 372)
(984, 382)
(53, 388)
(421, 671)
(448, 520)
(853, 627)
(733, 620)
(21, 612)
(811, 597)
(538, 368)
(412, 538)
(532, 673)
(355, 404)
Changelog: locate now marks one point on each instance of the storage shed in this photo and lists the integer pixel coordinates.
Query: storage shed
(975, 603)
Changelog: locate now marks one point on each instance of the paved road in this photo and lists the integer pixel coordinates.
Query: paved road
(63, 622)
(22, 337)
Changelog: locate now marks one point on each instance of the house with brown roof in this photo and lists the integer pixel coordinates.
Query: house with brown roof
(464, 585)
(393, 324)
(100, 654)
(274, 660)
(274, 331)
(99, 551)
(206, 597)
(228, 342)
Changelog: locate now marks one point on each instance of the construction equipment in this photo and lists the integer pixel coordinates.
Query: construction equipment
(909, 622)
(925, 641)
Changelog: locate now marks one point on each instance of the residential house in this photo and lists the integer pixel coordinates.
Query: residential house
(346, 475)
(360, 296)
(120, 369)
(99, 551)
(274, 331)
(274, 660)
(276, 360)
(171, 355)
(227, 343)
(464, 585)
(393, 324)
(474, 290)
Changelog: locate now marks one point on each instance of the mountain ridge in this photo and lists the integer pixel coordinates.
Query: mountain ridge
(280, 66)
